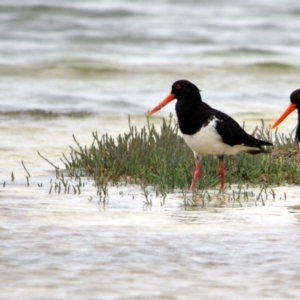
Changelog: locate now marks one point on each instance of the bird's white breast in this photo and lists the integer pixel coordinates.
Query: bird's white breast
(208, 141)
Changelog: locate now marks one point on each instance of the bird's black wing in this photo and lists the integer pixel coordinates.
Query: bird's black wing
(233, 134)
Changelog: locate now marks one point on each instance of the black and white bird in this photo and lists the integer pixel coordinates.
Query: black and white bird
(207, 130)
(295, 104)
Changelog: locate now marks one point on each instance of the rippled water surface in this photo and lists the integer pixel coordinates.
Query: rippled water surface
(123, 56)
(76, 67)
(56, 246)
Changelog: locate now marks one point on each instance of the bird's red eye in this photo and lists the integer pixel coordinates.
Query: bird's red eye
(178, 86)
(298, 96)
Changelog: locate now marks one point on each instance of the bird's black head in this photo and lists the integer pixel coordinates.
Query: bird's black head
(185, 89)
(295, 104)
(295, 98)
(187, 94)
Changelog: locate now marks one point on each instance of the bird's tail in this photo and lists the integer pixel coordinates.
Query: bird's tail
(257, 151)
(258, 146)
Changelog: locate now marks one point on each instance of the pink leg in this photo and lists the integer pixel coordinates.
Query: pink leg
(222, 171)
(196, 175)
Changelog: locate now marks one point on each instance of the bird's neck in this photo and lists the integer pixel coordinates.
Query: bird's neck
(191, 115)
(298, 128)
(187, 103)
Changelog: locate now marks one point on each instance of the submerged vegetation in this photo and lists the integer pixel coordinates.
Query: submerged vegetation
(158, 161)
(160, 158)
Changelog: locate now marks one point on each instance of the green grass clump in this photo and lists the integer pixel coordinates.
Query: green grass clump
(160, 157)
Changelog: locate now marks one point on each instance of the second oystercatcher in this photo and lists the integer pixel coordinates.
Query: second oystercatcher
(207, 130)
(295, 104)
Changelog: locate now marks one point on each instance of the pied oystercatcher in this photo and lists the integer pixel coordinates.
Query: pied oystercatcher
(295, 104)
(207, 130)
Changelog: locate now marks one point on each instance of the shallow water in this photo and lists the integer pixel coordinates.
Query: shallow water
(123, 56)
(79, 67)
(53, 245)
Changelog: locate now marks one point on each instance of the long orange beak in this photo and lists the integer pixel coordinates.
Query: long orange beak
(163, 103)
(290, 109)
